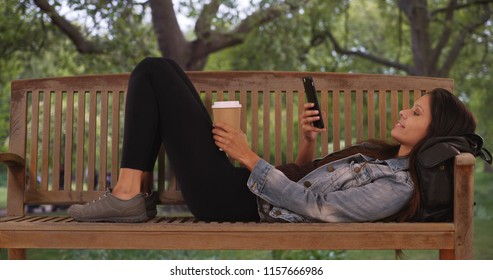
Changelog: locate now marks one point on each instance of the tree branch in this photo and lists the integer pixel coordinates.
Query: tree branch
(214, 41)
(81, 43)
(256, 19)
(446, 33)
(459, 7)
(461, 41)
(262, 16)
(171, 41)
(204, 22)
(337, 47)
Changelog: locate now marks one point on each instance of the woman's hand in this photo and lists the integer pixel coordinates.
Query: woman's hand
(234, 143)
(310, 133)
(306, 119)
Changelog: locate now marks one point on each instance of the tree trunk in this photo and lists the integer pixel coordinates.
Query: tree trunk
(170, 38)
(417, 13)
(193, 55)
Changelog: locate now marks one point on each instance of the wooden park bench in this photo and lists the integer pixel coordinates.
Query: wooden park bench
(65, 141)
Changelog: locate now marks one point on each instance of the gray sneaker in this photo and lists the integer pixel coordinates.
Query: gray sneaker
(109, 208)
(151, 204)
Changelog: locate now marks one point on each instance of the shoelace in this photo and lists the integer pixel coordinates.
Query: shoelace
(101, 197)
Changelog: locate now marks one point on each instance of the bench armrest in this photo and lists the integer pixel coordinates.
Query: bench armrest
(465, 159)
(464, 206)
(15, 183)
(12, 160)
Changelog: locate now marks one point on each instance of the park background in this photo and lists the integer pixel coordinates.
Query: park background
(439, 38)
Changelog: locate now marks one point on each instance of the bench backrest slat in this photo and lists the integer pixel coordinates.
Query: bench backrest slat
(72, 127)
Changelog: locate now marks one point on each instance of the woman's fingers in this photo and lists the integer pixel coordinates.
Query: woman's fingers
(225, 134)
(223, 130)
(307, 117)
(234, 143)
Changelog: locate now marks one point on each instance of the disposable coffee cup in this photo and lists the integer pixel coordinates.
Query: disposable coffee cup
(227, 112)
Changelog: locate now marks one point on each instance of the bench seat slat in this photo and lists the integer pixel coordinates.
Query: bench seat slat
(33, 223)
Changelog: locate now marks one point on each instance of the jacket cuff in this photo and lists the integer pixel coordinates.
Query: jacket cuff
(258, 176)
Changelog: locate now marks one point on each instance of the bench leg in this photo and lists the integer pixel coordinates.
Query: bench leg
(447, 254)
(17, 254)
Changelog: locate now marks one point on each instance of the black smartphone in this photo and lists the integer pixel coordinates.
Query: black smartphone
(311, 97)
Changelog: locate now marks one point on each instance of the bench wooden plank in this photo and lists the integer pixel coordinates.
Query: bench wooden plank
(290, 117)
(228, 240)
(17, 146)
(266, 126)
(57, 142)
(187, 233)
(464, 211)
(45, 139)
(12, 160)
(103, 149)
(69, 142)
(36, 223)
(33, 165)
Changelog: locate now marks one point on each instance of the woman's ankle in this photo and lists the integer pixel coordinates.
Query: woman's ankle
(129, 183)
(124, 194)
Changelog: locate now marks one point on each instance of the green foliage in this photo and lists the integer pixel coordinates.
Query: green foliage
(19, 39)
(298, 41)
(474, 83)
(160, 254)
(32, 49)
(277, 45)
(309, 255)
(3, 188)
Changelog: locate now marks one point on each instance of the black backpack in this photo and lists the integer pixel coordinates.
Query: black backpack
(435, 171)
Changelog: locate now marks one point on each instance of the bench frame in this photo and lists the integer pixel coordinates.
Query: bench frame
(367, 104)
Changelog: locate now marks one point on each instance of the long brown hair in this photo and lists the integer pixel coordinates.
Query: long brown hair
(449, 117)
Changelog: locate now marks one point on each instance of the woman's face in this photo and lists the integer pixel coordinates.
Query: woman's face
(413, 125)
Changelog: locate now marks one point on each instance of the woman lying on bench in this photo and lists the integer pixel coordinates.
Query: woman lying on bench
(367, 182)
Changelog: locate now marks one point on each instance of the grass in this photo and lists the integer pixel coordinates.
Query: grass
(483, 212)
(3, 195)
(483, 241)
(3, 188)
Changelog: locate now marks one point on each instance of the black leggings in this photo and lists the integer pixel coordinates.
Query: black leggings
(162, 106)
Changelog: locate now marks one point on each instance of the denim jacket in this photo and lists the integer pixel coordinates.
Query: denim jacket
(353, 189)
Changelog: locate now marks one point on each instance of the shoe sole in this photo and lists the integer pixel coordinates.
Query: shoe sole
(151, 210)
(133, 219)
(151, 214)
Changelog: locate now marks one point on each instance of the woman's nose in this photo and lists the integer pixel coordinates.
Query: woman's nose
(404, 113)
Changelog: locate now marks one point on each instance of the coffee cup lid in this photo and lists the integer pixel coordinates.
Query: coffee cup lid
(226, 104)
